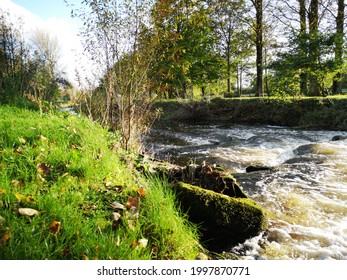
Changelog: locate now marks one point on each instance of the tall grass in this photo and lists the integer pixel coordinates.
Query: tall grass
(65, 167)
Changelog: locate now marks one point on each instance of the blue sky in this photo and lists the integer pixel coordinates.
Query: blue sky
(46, 9)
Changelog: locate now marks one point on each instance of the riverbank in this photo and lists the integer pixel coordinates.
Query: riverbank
(310, 113)
(68, 192)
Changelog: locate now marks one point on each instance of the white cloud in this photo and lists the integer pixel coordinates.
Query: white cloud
(64, 29)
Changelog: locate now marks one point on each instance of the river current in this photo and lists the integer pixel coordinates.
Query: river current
(304, 193)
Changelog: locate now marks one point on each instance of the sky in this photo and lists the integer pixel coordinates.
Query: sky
(55, 16)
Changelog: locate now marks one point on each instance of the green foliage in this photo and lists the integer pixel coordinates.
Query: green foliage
(291, 65)
(187, 54)
(69, 170)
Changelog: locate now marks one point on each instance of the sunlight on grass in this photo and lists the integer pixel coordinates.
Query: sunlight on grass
(62, 166)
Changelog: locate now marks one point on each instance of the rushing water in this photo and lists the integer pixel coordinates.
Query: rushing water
(305, 194)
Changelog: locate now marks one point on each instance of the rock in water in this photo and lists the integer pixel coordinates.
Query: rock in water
(338, 138)
(255, 168)
(225, 221)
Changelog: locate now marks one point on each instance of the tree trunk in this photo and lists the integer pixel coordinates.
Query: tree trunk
(303, 45)
(241, 79)
(339, 46)
(258, 4)
(229, 63)
(228, 73)
(313, 47)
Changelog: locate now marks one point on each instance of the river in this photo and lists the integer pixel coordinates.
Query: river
(304, 194)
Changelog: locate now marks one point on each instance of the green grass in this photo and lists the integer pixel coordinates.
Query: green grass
(67, 168)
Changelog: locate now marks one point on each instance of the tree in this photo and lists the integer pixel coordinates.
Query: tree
(48, 49)
(303, 45)
(313, 47)
(186, 49)
(258, 5)
(309, 48)
(339, 40)
(114, 37)
(16, 66)
(47, 52)
(234, 38)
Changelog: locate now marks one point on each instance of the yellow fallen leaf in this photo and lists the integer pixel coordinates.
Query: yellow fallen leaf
(43, 138)
(39, 177)
(84, 257)
(2, 191)
(25, 199)
(28, 212)
(21, 140)
(16, 183)
(118, 241)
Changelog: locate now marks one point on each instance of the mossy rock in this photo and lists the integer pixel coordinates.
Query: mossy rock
(212, 178)
(224, 220)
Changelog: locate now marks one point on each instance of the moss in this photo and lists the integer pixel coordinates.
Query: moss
(224, 219)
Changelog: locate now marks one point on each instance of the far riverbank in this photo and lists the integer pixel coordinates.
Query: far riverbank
(328, 113)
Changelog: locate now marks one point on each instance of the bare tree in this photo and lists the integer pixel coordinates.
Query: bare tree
(48, 48)
(114, 35)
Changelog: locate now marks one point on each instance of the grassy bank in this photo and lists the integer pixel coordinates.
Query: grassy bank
(314, 113)
(60, 175)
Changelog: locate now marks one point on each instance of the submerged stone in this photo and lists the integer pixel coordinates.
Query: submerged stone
(338, 138)
(254, 168)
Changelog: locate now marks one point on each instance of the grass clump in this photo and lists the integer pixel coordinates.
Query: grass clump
(65, 167)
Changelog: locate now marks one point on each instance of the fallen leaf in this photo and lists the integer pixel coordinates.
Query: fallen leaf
(21, 140)
(84, 257)
(143, 242)
(41, 178)
(5, 237)
(2, 191)
(108, 184)
(18, 150)
(133, 202)
(24, 199)
(28, 212)
(118, 241)
(115, 216)
(16, 183)
(43, 138)
(134, 243)
(142, 192)
(43, 168)
(117, 206)
(54, 227)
